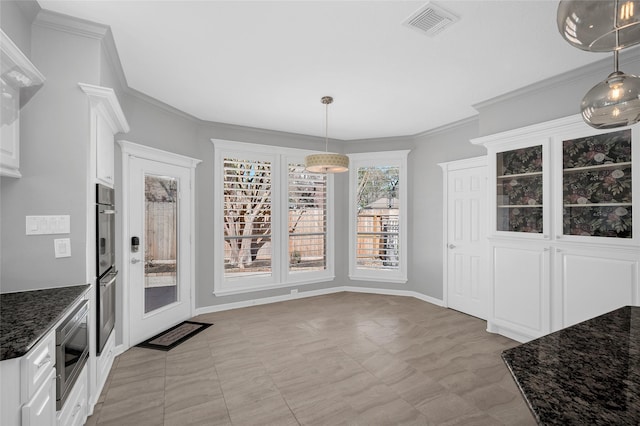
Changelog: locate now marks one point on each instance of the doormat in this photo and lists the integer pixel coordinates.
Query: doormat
(172, 337)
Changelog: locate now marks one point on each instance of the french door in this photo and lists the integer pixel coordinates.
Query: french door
(158, 247)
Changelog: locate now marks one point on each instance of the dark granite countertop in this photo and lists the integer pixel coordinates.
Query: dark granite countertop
(586, 374)
(26, 316)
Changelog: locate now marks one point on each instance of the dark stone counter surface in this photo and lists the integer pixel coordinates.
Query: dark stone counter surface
(26, 316)
(586, 374)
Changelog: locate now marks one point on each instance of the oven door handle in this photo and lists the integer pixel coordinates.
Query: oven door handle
(111, 281)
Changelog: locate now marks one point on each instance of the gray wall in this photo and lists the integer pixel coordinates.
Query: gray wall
(425, 200)
(55, 157)
(54, 164)
(15, 20)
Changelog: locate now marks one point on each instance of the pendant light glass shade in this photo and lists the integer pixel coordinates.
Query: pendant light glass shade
(592, 25)
(614, 102)
(327, 162)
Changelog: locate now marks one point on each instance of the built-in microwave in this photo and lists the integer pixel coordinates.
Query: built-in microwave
(72, 350)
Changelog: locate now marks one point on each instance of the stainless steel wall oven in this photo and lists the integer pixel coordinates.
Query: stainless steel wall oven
(72, 350)
(106, 264)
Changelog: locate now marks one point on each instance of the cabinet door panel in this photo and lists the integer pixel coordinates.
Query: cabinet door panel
(104, 151)
(521, 294)
(41, 409)
(594, 283)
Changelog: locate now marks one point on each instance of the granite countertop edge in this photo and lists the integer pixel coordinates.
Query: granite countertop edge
(27, 316)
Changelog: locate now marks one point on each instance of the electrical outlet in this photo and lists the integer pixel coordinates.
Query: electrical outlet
(294, 291)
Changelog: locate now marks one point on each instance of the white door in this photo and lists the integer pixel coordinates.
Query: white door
(159, 268)
(466, 241)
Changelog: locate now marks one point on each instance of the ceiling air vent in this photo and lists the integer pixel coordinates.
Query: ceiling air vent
(430, 19)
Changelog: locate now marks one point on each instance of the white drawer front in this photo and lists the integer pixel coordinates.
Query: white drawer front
(41, 408)
(37, 365)
(75, 409)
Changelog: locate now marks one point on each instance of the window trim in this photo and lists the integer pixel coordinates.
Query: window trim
(280, 274)
(372, 159)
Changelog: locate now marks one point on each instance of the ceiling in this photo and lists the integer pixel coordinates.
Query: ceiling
(266, 64)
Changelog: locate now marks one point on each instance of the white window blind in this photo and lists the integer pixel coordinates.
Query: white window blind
(378, 218)
(273, 220)
(307, 219)
(247, 217)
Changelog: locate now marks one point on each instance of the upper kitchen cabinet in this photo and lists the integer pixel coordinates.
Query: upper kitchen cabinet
(107, 119)
(519, 170)
(20, 81)
(597, 175)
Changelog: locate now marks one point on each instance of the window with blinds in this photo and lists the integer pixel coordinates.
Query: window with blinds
(378, 218)
(247, 210)
(274, 224)
(307, 219)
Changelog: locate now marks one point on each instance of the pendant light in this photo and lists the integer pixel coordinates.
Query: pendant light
(614, 102)
(327, 162)
(592, 25)
(602, 26)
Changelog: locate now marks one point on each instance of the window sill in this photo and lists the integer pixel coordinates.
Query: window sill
(229, 292)
(395, 280)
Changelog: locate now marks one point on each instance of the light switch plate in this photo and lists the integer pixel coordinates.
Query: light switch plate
(62, 247)
(42, 225)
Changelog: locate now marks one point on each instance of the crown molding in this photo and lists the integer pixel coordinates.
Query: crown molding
(448, 127)
(70, 24)
(143, 97)
(604, 67)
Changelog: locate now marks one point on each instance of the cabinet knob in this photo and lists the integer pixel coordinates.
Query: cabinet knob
(452, 246)
(135, 260)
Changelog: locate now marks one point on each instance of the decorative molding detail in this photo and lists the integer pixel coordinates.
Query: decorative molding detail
(603, 67)
(313, 293)
(14, 60)
(142, 151)
(447, 127)
(69, 24)
(105, 98)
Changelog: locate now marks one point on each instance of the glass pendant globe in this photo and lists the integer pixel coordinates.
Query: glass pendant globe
(614, 102)
(591, 25)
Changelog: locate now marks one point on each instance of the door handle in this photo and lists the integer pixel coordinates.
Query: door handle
(452, 246)
(135, 260)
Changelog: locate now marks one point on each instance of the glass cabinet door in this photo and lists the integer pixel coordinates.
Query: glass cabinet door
(596, 184)
(519, 190)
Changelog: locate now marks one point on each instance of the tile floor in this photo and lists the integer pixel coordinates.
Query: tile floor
(345, 358)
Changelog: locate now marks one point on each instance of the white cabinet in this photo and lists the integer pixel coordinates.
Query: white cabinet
(41, 408)
(107, 119)
(75, 410)
(20, 80)
(28, 386)
(590, 282)
(520, 292)
(563, 243)
(37, 365)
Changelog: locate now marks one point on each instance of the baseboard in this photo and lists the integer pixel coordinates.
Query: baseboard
(313, 293)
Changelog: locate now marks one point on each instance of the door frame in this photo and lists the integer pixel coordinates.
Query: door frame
(447, 167)
(129, 150)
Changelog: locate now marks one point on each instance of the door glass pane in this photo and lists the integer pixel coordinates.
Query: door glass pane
(597, 185)
(161, 239)
(519, 191)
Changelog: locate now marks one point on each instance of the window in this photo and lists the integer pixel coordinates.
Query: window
(377, 197)
(273, 222)
(307, 219)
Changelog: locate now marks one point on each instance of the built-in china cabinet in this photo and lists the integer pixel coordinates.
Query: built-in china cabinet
(563, 245)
